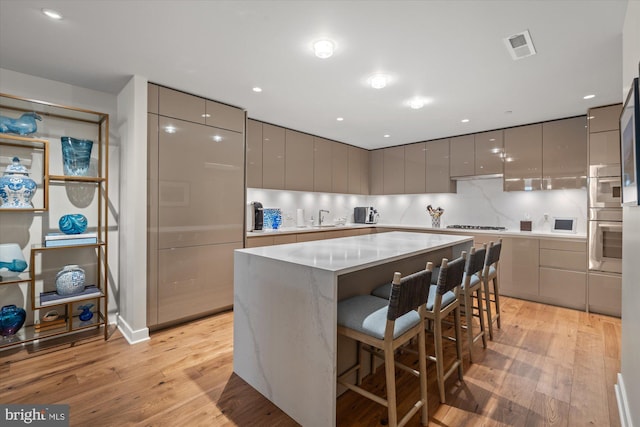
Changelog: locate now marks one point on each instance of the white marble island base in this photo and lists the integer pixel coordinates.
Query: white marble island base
(285, 305)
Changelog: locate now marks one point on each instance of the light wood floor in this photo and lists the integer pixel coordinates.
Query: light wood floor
(547, 366)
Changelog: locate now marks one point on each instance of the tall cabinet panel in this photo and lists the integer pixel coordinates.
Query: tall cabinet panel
(340, 167)
(376, 171)
(414, 168)
(564, 153)
(273, 153)
(254, 154)
(438, 179)
(393, 175)
(523, 158)
(196, 179)
(322, 165)
(298, 173)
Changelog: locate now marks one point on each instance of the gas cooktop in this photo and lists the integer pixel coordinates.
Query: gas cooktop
(477, 227)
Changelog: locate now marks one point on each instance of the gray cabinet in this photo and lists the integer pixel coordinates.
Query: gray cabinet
(273, 152)
(604, 135)
(196, 207)
(393, 170)
(523, 158)
(415, 168)
(254, 154)
(365, 163)
(180, 105)
(376, 171)
(298, 161)
(339, 168)
(564, 153)
(152, 98)
(224, 116)
(519, 267)
(489, 147)
(322, 170)
(602, 119)
(354, 168)
(563, 273)
(463, 153)
(605, 293)
(438, 178)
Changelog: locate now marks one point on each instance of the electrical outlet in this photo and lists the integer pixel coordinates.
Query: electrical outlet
(546, 217)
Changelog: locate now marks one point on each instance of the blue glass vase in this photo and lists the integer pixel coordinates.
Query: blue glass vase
(73, 223)
(11, 319)
(76, 155)
(86, 314)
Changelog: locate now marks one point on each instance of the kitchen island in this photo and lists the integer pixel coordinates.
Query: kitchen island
(285, 305)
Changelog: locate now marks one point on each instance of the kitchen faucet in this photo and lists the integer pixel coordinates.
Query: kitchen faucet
(320, 216)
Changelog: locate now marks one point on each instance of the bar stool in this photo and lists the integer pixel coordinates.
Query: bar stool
(472, 290)
(443, 299)
(491, 285)
(387, 324)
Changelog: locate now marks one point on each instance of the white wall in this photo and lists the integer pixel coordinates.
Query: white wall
(31, 87)
(478, 202)
(629, 383)
(132, 128)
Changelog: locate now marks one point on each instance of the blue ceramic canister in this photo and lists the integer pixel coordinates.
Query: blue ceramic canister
(16, 188)
(73, 223)
(70, 280)
(11, 319)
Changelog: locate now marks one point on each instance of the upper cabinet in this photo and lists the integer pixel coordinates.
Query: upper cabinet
(365, 171)
(604, 135)
(224, 116)
(438, 178)
(393, 170)
(463, 154)
(376, 178)
(254, 154)
(298, 161)
(339, 168)
(489, 147)
(322, 165)
(564, 153)
(415, 168)
(273, 152)
(523, 158)
(179, 105)
(358, 168)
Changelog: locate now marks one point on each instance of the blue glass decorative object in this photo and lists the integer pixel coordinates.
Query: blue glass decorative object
(11, 319)
(16, 188)
(73, 223)
(272, 219)
(12, 261)
(86, 314)
(76, 155)
(24, 125)
(70, 280)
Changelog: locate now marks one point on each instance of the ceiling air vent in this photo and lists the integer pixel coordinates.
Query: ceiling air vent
(520, 45)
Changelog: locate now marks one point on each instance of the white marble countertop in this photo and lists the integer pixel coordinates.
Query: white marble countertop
(510, 233)
(346, 254)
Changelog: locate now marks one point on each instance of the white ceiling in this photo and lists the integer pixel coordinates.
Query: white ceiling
(450, 51)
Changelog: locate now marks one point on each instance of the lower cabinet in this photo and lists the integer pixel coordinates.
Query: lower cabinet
(605, 293)
(562, 287)
(518, 267)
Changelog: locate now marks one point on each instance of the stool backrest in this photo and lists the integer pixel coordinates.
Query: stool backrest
(451, 274)
(493, 254)
(408, 293)
(475, 261)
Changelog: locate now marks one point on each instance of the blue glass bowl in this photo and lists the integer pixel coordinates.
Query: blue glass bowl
(76, 155)
(73, 223)
(11, 319)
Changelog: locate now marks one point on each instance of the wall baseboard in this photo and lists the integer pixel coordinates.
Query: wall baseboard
(623, 403)
(132, 337)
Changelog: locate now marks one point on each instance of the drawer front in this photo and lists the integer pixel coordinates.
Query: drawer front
(566, 288)
(563, 245)
(605, 294)
(287, 238)
(565, 260)
(255, 242)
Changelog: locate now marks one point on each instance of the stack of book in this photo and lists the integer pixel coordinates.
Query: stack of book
(53, 298)
(60, 239)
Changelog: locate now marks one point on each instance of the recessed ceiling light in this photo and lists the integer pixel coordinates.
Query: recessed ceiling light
(416, 103)
(386, 135)
(588, 96)
(257, 89)
(378, 81)
(340, 119)
(323, 48)
(465, 120)
(217, 138)
(53, 14)
(170, 129)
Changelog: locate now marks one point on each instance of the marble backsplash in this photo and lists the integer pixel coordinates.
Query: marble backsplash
(477, 202)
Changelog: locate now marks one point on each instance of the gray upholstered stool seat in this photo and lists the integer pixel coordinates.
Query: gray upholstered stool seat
(368, 314)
